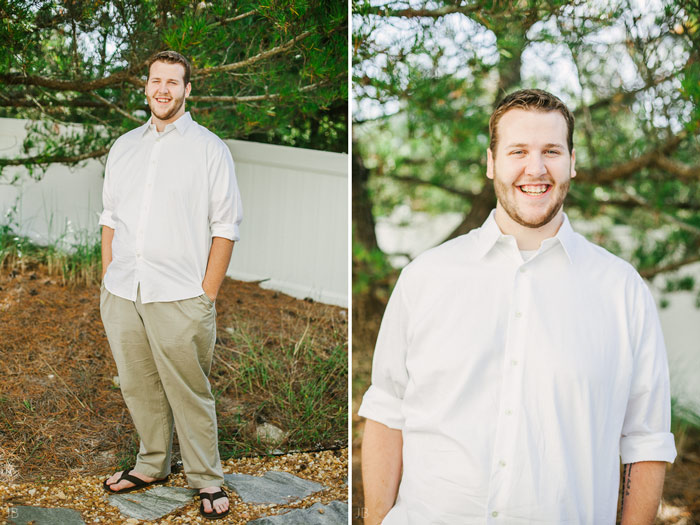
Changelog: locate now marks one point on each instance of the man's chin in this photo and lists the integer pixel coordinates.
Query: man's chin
(535, 220)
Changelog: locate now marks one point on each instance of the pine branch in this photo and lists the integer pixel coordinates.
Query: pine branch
(650, 273)
(683, 171)
(283, 48)
(419, 13)
(116, 108)
(73, 85)
(632, 166)
(255, 98)
(449, 189)
(233, 18)
(49, 159)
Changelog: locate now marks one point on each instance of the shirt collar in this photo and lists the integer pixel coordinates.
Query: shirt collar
(181, 124)
(490, 234)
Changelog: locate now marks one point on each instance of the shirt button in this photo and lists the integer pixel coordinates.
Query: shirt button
(502, 463)
(514, 362)
(494, 514)
(518, 314)
(523, 269)
(509, 412)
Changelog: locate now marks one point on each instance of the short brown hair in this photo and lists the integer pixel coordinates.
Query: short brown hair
(171, 57)
(531, 99)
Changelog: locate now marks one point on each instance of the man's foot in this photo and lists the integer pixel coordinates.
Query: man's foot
(128, 480)
(217, 496)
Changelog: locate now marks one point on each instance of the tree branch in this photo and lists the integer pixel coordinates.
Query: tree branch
(252, 60)
(416, 180)
(116, 108)
(71, 85)
(57, 159)
(624, 96)
(419, 13)
(683, 171)
(233, 19)
(629, 167)
(650, 273)
(254, 98)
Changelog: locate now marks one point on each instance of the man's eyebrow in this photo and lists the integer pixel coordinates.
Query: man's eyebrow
(523, 145)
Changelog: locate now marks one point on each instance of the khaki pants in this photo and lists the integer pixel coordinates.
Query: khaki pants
(163, 353)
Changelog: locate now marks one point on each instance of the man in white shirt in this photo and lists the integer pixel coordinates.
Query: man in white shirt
(170, 219)
(517, 364)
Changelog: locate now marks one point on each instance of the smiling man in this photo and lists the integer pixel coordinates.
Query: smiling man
(170, 219)
(518, 364)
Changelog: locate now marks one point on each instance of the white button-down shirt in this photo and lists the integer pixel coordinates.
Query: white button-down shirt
(519, 385)
(166, 195)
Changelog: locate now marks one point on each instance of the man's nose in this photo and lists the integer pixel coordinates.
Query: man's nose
(535, 164)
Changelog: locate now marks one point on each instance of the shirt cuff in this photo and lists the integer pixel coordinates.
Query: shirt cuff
(648, 447)
(382, 407)
(106, 219)
(227, 231)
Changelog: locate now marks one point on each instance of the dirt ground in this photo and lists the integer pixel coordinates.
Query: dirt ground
(61, 413)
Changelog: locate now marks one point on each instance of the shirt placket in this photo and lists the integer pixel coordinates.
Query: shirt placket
(145, 208)
(505, 447)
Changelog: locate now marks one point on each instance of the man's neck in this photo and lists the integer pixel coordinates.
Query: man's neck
(527, 238)
(160, 124)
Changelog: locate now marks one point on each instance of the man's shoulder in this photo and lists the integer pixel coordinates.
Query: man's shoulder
(459, 250)
(597, 261)
(208, 138)
(129, 137)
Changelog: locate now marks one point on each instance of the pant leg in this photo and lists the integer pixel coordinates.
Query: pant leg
(182, 336)
(140, 383)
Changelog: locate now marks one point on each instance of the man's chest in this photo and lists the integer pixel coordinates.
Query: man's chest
(530, 332)
(170, 172)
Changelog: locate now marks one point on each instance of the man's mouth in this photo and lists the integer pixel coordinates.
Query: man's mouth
(163, 100)
(535, 189)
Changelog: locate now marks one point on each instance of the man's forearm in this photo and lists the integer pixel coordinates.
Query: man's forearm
(642, 485)
(107, 237)
(381, 469)
(219, 258)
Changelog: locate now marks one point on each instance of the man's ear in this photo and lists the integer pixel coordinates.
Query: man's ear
(188, 88)
(573, 163)
(489, 163)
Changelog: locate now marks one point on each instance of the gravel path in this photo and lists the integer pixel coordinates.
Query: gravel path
(86, 495)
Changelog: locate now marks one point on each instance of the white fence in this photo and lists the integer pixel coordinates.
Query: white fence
(294, 234)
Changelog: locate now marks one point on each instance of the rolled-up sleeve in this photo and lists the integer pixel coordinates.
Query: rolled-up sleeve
(646, 432)
(106, 217)
(383, 400)
(225, 207)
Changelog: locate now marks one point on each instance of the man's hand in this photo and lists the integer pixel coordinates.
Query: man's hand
(107, 237)
(219, 257)
(642, 485)
(382, 460)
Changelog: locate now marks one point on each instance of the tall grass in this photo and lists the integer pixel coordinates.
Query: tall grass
(685, 425)
(78, 263)
(298, 387)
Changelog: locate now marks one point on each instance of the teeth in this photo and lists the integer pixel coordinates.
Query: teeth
(532, 189)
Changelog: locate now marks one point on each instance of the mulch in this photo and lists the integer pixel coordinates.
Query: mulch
(60, 412)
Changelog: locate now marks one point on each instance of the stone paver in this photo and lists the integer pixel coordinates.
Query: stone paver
(23, 515)
(272, 487)
(153, 503)
(335, 513)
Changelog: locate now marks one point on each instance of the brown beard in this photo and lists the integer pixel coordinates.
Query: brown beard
(510, 208)
(176, 107)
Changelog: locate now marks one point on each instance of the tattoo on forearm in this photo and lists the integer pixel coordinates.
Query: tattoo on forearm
(626, 483)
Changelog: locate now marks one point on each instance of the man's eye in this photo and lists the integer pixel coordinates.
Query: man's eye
(552, 152)
(517, 152)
